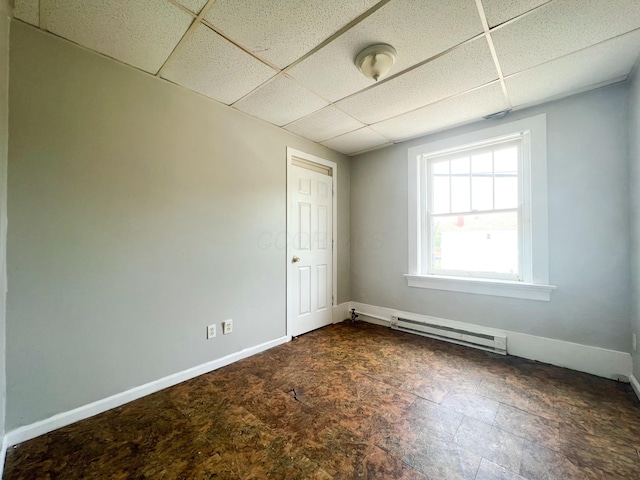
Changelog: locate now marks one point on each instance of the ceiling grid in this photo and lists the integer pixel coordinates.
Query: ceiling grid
(189, 31)
(492, 48)
(291, 62)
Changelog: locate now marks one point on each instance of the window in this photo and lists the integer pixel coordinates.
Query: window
(478, 212)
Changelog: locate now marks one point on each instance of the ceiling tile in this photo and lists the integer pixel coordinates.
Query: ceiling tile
(357, 141)
(281, 32)
(141, 33)
(562, 27)
(594, 65)
(27, 11)
(209, 64)
(280, 102)
(499, 11)
(324, 124)
(417, 29)
(194, 5)
(447, 113)
(462, 69)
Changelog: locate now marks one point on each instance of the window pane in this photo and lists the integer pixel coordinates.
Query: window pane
(482, 192)
(481, 163)
(506, 160)
(460, 165)
(440, 194)
(483, 243)
(506, 186)
(460, 194)
(441, 168)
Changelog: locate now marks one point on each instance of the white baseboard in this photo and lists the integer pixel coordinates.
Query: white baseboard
(583, 358)
(340, 312)
(59, 420)
(635, 385)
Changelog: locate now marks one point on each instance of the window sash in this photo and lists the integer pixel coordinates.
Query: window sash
(426, 200)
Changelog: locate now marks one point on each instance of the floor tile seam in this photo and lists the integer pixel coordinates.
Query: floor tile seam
(417, 395)
(467, 393)
(455, 442)
(475, 476)
(406, 464)
(515, 434)
(499, 400)
(520, 452)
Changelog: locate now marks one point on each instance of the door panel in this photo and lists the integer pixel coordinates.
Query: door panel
(303, 232)
(322, 286)
(312, 262)
(304, 278)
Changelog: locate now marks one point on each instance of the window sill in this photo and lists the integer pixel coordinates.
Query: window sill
(498, 288)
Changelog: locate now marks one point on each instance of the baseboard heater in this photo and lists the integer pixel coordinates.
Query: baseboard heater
(490, 342)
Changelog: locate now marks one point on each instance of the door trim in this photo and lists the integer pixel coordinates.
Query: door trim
(307, 157)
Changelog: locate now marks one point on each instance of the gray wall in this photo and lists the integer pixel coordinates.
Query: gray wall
(634, 153)
(136, 208)
(588, 230)
(4, 141)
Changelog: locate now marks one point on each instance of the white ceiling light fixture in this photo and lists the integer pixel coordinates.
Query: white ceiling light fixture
(376, 61)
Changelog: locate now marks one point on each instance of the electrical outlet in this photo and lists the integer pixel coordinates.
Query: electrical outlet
(634, 343)
(227, 327)
(211, 331)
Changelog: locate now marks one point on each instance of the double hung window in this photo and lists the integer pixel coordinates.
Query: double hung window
(478, 212)
(472, 217)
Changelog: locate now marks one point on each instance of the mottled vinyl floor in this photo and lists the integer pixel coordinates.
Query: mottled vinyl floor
(357, 401)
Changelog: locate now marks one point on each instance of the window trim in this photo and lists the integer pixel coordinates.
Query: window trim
(535, 284)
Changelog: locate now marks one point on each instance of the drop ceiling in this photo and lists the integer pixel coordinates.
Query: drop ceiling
(291, 62)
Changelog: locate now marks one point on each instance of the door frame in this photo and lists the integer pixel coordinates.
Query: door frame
(292, 152)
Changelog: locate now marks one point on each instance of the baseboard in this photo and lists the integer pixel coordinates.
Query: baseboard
(59, 420)
(3, 455)
(583, 358)
(635, 385)
(340, 312)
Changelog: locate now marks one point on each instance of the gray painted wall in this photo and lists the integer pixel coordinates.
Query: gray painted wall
(136, 208)
(588, 222)
(5, 12)
(634, 153)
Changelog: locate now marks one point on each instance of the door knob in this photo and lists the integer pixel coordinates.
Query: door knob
(295, 259)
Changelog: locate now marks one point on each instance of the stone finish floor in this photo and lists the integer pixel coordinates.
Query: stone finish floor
(357, 401)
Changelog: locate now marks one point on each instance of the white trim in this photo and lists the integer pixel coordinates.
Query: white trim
(481, 286)
(598, 361)
(292, 152)
(380, 315)
(635, 385)
(340, 312)
(583, 358)
(59, 420)
(534, 173)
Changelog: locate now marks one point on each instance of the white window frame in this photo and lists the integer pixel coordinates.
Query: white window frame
(534, 284)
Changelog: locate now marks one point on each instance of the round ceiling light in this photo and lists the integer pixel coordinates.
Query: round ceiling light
(376, 61)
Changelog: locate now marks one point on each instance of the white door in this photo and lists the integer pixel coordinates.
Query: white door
(311, 237)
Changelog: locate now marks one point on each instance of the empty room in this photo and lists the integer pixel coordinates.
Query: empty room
(331, 239)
